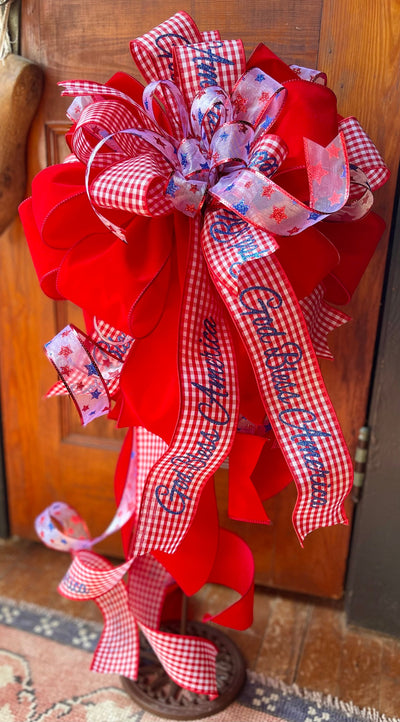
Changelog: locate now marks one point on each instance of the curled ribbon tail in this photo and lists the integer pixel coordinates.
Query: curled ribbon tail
(207, 417)
(265, 310)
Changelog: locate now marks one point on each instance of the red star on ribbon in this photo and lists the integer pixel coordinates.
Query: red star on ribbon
(318, 173)
(65, 370)
(335, 198)
(264, 97)
(268, 191)
(65, 351)
(333, 151)
(278, 214)
(240, 103)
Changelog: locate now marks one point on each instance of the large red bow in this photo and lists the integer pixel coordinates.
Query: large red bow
(244, 203)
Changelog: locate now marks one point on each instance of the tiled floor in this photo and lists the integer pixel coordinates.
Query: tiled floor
(294, 639)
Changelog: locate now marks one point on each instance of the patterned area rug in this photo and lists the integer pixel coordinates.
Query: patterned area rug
(45, 677)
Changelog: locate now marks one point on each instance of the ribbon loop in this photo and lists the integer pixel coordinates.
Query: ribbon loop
(231, 145)
(257, 98)
(176, 104)
(211, 108)
(86, 369)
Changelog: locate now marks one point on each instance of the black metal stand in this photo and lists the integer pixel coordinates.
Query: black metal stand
(155, 692)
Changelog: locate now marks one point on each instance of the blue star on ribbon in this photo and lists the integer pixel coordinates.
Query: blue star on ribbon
(241, 207)
(91, 369)
(260, 77)
(95, 394)
(266, 122)
(172, 188)
(313, 216)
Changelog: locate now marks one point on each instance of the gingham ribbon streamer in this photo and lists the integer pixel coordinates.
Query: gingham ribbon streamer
(321, 319)
(268, 316)
(91, 577)
(207, 418)
(189, 661)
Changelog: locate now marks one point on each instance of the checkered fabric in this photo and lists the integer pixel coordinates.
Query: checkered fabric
(207, 419)
(136, 185)
(189, 661)
(149, 450)
(203, 65)
(116, 342)
(363, 153)
(92, 577)
(148, 583)
(321, 319)
(269, 319)
(152, 52)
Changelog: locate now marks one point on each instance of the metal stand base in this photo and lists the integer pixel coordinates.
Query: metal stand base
(155, 692)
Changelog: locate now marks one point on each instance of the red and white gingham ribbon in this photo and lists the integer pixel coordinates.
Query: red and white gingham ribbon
(269, 319)
(207, 418)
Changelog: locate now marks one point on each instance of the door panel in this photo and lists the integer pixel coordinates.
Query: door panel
(48, 455)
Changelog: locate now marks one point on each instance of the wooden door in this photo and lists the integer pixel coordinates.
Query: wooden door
(48, 455)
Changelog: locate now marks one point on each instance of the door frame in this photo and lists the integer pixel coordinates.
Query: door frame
(373, 583)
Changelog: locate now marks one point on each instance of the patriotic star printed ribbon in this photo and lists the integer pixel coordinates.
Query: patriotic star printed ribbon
(243, 201)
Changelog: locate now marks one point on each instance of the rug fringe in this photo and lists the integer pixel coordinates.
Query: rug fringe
(348, 708)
